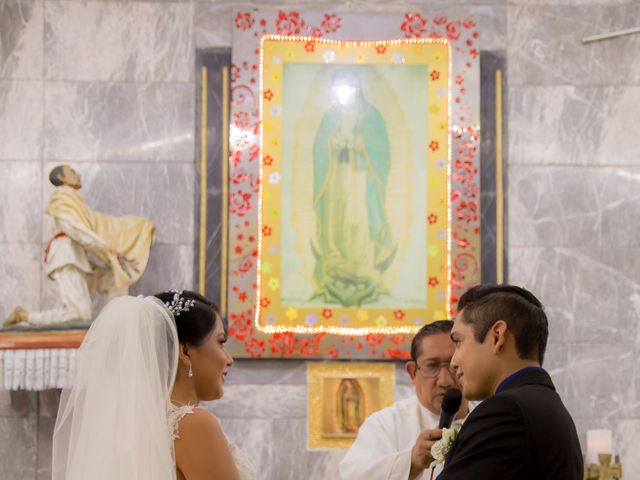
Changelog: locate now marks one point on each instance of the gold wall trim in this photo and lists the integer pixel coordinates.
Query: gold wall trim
(499, 183)
(224, 244)
(202, 244)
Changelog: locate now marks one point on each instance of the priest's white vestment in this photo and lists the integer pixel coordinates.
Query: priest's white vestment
(382, 449)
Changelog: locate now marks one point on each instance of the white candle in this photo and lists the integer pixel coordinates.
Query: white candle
(598, 441)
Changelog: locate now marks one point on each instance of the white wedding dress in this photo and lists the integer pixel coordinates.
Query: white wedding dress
(113, 423)
(243, 464)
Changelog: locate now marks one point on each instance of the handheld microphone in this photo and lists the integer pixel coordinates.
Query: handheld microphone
(450, 405)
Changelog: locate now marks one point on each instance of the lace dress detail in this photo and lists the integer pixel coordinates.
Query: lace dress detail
(174, 414)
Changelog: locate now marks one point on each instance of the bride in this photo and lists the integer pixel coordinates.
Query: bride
(132, 413)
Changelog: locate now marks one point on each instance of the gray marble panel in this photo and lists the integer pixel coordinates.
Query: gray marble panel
(213, 24)
(170, 266)
(571, 2)
(591, 296)
(45, 445)
(119, 122)
(273, 372)
(108, 41)
(545, 45)
(261, 401)
(18, 442)
(625, 442)
(15, 403)
(21, 264)
(48, 401)
(278, 449)
(574, 125)
(573, 207)
(162, 193)
(21, 114)
(21, 202)
(21, 31)
(599, 385)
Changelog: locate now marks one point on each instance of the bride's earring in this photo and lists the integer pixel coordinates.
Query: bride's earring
(190, 371)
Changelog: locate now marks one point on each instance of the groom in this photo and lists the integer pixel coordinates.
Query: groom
(521, 430)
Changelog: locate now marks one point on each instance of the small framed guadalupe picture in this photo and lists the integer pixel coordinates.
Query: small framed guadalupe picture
(341, 395)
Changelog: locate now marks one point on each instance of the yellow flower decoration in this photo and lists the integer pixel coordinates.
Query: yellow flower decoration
(362, 315)
(267, 268)
(291, 313)
(434, 109)
(433, 250)
(274, 284)
(381, 321)
(437, 56)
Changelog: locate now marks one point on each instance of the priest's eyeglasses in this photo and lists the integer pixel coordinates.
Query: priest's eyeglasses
(432, 370)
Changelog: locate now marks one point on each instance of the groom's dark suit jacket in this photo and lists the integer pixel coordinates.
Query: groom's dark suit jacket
(523, 432)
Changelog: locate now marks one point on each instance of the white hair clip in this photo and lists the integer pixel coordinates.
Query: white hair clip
(179, 304)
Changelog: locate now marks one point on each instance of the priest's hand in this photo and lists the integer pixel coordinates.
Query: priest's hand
(421, 453)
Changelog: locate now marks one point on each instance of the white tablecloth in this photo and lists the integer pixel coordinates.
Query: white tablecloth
(37, 369)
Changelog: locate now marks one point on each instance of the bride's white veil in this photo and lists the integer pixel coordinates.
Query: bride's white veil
(113, 423)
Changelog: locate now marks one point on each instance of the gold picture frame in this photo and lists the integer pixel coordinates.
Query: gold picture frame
(341, 395)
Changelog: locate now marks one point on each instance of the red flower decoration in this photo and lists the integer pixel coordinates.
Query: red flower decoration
(268, 95)
(241, 119)
(414, 25)
(242, 296)
(433, 145)
(235, 73)
(331, 22)
(441, 20)
(433, 281)
(453, 31)
(458, 80)
(469, 23)
(432, 218)
(265, 302)
(310, 47)
(244, 21)
(316, 33)
(381, 49)
(266, 231)
(463, 243)
(473, 53)
(435, 75)
(254, 347)
(327, 313)
(398, 314)
(289, 23)
(239, 203)
(267, 160)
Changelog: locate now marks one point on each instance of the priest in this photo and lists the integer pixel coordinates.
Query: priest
(88, 252)
(395, 442)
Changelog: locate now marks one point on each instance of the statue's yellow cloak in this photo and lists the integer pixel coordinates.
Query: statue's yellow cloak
(123, 243)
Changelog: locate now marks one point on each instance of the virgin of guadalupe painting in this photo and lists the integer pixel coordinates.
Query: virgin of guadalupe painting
(351, 406)
(353, 245)
(354, 193)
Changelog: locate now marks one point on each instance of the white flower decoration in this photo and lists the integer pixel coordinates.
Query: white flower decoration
(329, 56)
(276, 110)
(274, 178)
(397, 58)
(440, 449)
(276, 59)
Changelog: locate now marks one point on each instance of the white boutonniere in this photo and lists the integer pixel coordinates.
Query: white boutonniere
(440, 449)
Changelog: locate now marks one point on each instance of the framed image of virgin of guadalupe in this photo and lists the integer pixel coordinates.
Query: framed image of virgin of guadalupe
(354, 190)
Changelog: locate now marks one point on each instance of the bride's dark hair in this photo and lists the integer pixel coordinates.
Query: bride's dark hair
(195, 324)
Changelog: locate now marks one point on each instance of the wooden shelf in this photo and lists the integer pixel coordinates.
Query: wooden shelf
(41, 339)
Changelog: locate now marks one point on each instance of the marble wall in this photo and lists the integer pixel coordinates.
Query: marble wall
(109, 87)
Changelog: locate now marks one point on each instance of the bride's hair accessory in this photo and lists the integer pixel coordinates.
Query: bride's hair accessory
(179, 303)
